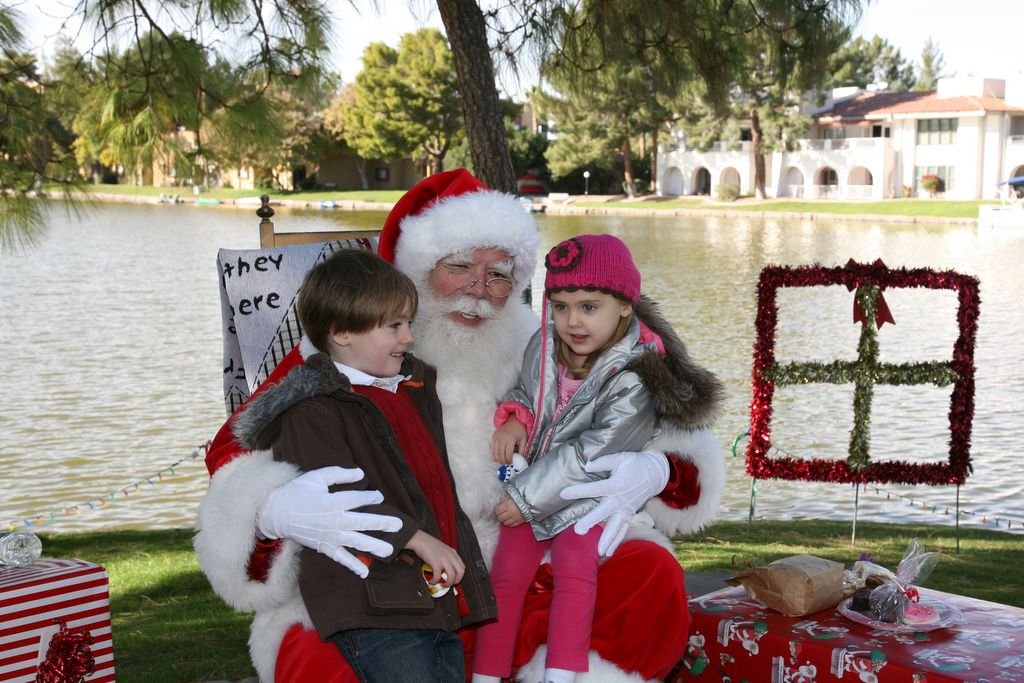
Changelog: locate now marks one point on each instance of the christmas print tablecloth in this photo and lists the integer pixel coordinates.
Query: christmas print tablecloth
(736, 639)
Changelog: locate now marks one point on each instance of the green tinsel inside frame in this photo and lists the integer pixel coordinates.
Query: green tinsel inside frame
(864, 373)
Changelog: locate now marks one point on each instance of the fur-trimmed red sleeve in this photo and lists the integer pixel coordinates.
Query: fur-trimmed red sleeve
(224, 448)
(690, 500)
(683, 488)
(262, 557)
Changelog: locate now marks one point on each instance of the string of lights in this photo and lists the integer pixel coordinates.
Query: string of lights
(43, 519)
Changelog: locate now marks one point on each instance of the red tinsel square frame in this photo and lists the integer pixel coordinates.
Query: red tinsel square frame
(961, 410)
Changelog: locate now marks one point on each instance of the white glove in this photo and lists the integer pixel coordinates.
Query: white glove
(635, 478)
(305, 511)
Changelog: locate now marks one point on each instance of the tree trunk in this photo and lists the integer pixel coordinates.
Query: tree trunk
(627, 164)
(361, 168)
(755, 143)
(485, 129)
(654, 158)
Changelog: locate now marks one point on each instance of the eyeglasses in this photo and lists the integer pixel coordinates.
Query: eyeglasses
(460, 277)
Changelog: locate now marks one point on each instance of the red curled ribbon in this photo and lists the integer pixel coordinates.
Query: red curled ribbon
(69, 658)
(912, 594)
(882, 313)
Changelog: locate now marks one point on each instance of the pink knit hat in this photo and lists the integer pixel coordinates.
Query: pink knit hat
(600, 262)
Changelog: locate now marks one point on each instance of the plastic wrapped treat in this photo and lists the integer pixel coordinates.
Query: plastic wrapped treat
(891, 599)
(892, 592)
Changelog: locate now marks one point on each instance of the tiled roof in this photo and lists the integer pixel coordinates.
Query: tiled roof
(864, 104)
(874, 105)
(952, 105)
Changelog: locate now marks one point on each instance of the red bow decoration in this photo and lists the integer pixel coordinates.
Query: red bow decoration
(68, 659)
(882, 313)
(912, 594)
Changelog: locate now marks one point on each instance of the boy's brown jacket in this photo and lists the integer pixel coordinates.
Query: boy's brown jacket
(329, 424)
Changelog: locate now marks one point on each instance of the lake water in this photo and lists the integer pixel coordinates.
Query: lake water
(111, 373)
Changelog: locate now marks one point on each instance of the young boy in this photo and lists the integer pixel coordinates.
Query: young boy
(364, 402)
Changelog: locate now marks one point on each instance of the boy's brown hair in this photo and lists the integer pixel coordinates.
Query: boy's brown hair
(353, 291)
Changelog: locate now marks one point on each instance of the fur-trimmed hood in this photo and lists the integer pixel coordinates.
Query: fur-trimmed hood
(685, 394)
(318, 376)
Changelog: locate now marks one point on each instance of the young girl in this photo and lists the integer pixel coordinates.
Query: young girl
(598, 383)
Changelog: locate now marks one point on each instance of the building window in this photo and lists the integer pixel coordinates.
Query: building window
(947, 174)
(383, 173)
(936, 131)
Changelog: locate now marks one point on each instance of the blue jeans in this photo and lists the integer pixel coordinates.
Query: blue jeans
(388, 655)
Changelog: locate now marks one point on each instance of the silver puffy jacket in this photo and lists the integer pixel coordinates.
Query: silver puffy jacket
(631, 390)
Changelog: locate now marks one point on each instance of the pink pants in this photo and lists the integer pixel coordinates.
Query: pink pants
(574, 570)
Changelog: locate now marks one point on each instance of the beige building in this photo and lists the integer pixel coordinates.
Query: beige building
(876, 145)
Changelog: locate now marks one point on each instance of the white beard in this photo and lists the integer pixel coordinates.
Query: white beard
(475, 367)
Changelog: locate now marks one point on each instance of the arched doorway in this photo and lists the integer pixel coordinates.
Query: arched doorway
(673, 182)
(1018, 189)
(792, 182)
(859, 183)
(702, 181)
(730, 176)
(827, 181)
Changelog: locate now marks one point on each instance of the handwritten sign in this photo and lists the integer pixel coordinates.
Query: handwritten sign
(258, 293)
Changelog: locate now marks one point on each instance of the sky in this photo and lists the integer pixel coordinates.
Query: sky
(980, 38)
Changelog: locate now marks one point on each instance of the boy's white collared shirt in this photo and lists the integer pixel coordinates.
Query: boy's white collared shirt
(360, 378)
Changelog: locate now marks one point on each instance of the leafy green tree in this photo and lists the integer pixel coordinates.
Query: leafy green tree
(862, 62)
(582, 144)
(360, 115)
(527, 149)
(167, 92)
(141, 120)
(931, 68)
(405, 101)
(429, 86)
(779, 50)
(628, 68)
(337, 128)
(288, 142)
(32, 141)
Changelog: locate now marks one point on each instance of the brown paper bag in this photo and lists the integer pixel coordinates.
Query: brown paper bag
(795, 586)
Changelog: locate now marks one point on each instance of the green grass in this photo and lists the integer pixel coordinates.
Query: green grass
(921, 208)
(386, 196)
(939, 208)
(169, 627)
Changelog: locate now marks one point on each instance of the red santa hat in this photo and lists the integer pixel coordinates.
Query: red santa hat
(452, 212)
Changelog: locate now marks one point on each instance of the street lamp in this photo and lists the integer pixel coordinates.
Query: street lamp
(586, 182)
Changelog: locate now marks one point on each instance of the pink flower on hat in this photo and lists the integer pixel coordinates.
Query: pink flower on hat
(564, 255)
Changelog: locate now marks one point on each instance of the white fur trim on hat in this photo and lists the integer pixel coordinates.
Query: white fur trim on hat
(462, 223)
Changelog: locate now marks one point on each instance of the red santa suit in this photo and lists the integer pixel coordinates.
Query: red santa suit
(641, 619)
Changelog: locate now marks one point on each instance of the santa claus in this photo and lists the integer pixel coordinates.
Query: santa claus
(452, 235)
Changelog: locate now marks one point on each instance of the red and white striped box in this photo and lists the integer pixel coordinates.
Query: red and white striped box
(31, 597)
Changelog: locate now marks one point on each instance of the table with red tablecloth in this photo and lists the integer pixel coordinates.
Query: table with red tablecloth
(734, 638)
